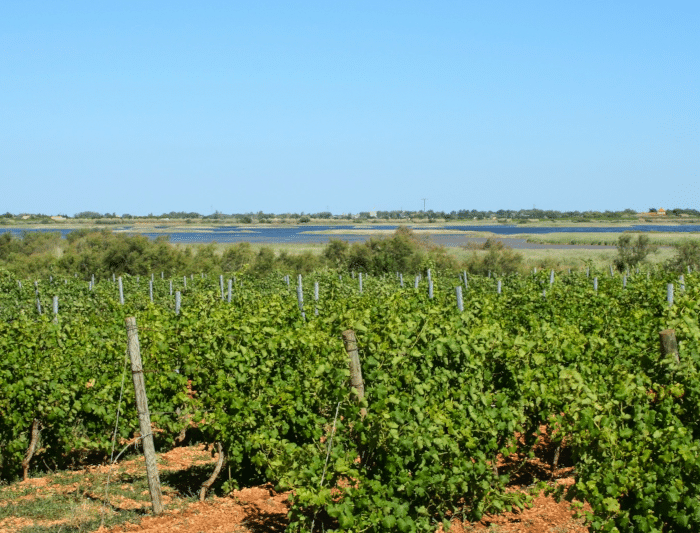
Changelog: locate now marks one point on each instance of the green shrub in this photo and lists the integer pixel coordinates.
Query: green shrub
(237, 257)
(630, 253)
(687, 255)
(499, 259)
(336, 253)
(264, 262)
(303, 263)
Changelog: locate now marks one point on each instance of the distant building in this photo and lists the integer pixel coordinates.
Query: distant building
(660, 212)
(59, 217)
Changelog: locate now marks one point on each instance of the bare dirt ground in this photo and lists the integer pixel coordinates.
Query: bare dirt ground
(254, 509)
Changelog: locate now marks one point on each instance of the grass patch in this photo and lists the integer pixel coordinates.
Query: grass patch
(278, 248)
(608, 239)
(564, 259)
(80, 501)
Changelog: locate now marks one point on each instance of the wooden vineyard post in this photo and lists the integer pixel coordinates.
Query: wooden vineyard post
(149, 451)
(350, 342)
(669, 344)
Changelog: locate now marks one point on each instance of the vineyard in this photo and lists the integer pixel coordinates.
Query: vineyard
(260, 366)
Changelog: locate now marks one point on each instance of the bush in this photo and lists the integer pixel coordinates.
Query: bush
(687, 255)
(336, 253)
(500, 259)
(401, 252)
(359, 258)
(237, 258)
(264, 262)
(303, 263)
(629, 253)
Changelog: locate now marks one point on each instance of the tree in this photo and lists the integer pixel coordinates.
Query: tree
(629, 253)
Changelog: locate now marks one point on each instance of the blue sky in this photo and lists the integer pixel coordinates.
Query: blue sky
(151, 107)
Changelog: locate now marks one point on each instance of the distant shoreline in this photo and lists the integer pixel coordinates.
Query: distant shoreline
(454, 235)
(423, 225)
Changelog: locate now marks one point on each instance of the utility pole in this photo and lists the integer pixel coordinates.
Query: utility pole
(424, 199)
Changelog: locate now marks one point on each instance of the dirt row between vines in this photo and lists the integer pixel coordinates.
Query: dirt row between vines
(83, 499)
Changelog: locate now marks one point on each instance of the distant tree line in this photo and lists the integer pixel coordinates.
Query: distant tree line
(86, 252)
(522, 215)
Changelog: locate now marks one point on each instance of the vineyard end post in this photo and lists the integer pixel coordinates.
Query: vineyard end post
(149, 450)
(350, 342)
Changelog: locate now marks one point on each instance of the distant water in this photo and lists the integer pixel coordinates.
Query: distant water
(296, 235)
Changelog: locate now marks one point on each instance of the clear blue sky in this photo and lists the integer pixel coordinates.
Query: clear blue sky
(140, 107)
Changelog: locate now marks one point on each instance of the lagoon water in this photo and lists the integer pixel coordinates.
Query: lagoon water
(299, 235)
